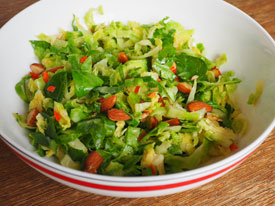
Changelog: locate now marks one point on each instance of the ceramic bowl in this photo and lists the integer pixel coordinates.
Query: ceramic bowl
(219, 25)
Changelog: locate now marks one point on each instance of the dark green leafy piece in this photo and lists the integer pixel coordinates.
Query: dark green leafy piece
(75, 154)
(227, 120)
(59, 82)
(50, 130)
(39, 139)
(88, 126)
(188, 66)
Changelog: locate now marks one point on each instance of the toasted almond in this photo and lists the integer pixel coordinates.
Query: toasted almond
(118, 115)
(31, 118)
(37, 68)
(53, 70)
(177, 79)
(107, 103)
(184, 87)
(93, 162)
(152, 122)
(194, 77)
(173, 122)
(145, 114)
(198, 105)
(213, 117)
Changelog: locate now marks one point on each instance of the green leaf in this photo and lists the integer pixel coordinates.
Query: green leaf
(88, 126)
(77, 114)
(84, 81)
(227, 121)
(40, 48)
(131, 136)
(200, 46)
(87, 65)
(77, 150)
(22, 121)
(50, 130)
(59, 81)
(39, 139)
(109, 126)
(167, 52)
(68, 136)
(154, 132)
(192, 161)
(164, 70)
(71, 42)
(21, 89)
(92, 125)
(109, 90)
(188, 66)
(75, 28)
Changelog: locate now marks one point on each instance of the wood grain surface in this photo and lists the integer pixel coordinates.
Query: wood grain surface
(251, 183)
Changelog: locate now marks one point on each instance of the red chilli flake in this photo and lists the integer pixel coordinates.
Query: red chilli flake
(233, 147)
(45, 77)
(174, 68)
(161, 101)
(51, 88)
(83, 59)
(137, 89)
(141, 136)
(57, 115)
(34, 76)
(152, 169)
(53, 70)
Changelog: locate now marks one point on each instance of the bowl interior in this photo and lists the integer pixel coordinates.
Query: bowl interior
(221, 27)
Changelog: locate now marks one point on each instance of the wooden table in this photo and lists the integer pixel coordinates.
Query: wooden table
(251, 183)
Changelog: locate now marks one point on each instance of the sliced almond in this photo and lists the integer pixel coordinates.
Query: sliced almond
(118, 115)
(93, 162)
(184, 87)
(31, 118)
(198, 105)
(37, 68)
(194, 77)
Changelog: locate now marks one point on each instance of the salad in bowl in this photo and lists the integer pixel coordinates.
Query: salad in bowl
(129, 99)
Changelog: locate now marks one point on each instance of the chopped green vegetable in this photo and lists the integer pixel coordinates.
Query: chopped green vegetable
(108, 100)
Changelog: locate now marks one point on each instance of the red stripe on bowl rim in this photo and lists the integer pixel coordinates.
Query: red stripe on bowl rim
(125, 188)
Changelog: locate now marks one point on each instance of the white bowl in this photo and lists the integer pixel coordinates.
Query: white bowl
(220, 26)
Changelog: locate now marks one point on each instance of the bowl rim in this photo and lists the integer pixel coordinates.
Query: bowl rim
(139, 179)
